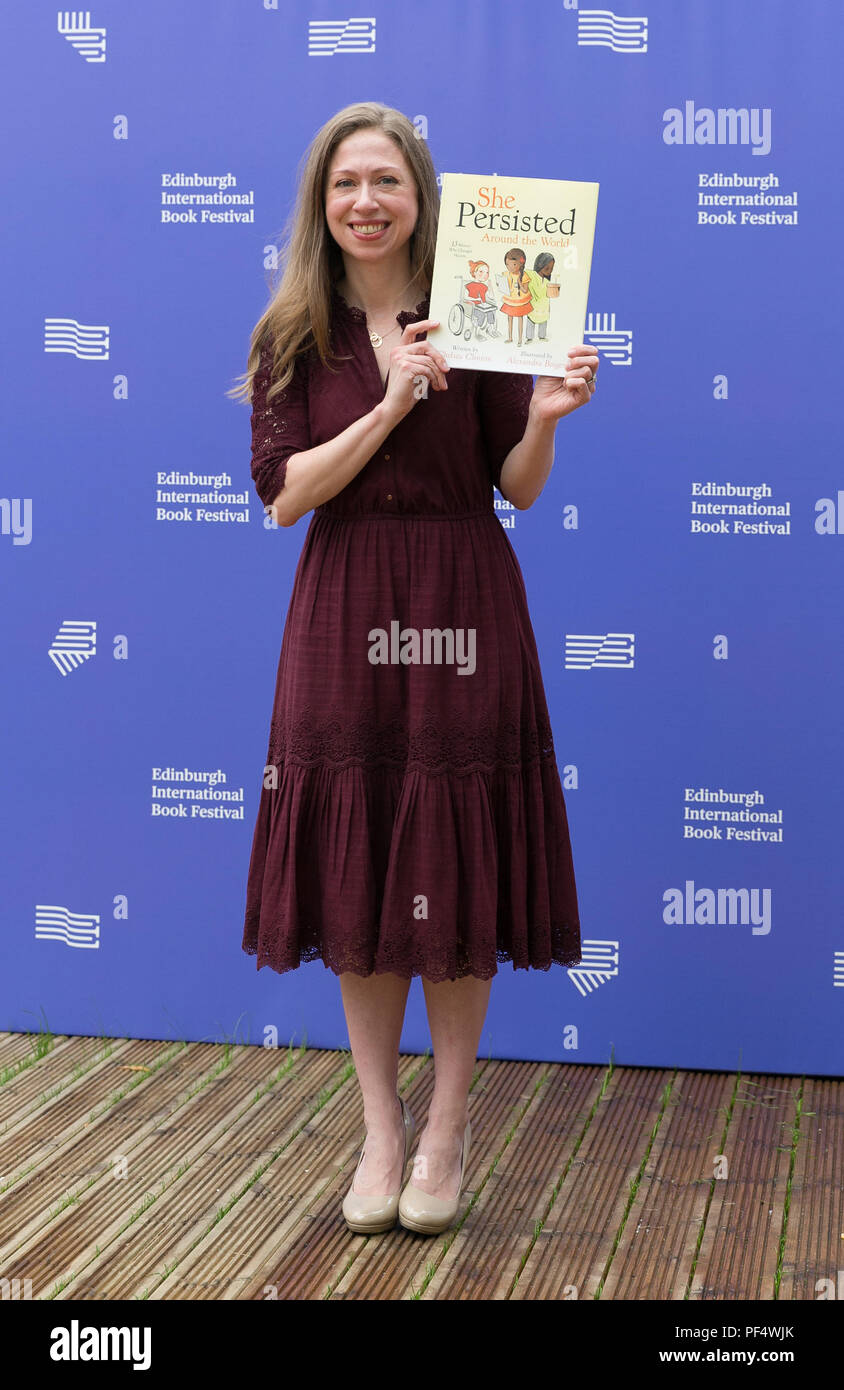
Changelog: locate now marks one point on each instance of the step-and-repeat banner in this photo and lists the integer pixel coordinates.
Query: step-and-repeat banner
(683, 564)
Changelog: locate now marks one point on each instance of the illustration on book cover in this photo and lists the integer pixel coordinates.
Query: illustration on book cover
(511, 271)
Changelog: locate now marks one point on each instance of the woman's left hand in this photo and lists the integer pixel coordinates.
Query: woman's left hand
(553, 397)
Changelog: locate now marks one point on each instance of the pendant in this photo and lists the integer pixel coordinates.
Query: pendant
(375, 339)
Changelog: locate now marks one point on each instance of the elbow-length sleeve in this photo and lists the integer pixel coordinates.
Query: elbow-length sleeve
(279, 429)
(503, 404)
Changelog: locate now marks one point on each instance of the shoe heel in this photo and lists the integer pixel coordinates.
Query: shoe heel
(430, 1216)
(371, 1215)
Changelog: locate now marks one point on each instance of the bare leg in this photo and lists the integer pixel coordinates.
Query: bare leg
(374, 1006)
(456, 1013)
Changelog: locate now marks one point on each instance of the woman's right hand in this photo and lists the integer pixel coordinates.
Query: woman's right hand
(413, 368)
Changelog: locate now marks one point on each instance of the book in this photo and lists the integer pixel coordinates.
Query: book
(511, 271)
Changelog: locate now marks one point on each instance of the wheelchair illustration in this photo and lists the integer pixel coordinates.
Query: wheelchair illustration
(467, 317)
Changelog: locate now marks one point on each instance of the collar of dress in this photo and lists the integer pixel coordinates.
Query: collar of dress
(404, 316)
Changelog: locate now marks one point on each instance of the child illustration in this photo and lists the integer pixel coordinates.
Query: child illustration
(517, 301)
(483, 305)
(538, 285)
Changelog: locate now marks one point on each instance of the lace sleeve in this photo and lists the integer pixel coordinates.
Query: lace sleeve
(279, 429)
(503, 403)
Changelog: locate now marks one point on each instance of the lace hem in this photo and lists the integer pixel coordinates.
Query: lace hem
(356, 962)
(336, 743)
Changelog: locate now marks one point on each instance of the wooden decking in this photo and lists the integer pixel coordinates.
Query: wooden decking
(160, 1170)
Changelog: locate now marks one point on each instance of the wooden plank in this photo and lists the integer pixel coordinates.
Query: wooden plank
(656, 1251)
(32, 1140)
(740, 1246)
(220, 1156)
(539, 1155)
(32, 1228)
(61, 1069)
(67, 1100)
(484, 1257)
(576, 1240)
(813, 1258)
(246, 1253)
(19, 1047)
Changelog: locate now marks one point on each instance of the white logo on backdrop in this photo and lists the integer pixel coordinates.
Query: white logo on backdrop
(616, 344)
(329, 36)
(76, 27)
(599, 963)
(74, 643)
(202, 786)
(84, 340)
(736, 817)
(754, 204)
(53, 923)
(838, 970)
(732, 516)
(621, 33)
(587, 649)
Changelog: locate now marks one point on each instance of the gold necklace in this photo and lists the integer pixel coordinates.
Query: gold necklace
(377, 339)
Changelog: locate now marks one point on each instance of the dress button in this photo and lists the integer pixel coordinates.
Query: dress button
(389, 497)
(386, 456)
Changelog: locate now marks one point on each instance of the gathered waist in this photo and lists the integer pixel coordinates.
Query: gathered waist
(403, 516)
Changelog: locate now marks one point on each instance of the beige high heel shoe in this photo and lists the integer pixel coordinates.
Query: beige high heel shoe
(419, 1211)
(368, 1215)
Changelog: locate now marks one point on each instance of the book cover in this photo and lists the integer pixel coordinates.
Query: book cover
(511, 271)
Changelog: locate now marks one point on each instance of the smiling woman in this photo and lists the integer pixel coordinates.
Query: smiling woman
(410, 823)
(370, 202)
(364, 167)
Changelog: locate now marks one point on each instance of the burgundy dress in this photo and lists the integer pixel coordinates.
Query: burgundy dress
(417, 823)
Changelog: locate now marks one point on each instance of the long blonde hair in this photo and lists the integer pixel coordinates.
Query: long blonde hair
(298, 316)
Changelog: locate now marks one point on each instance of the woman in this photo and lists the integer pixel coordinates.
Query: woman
(543, 269)
(483, 310)
(517, 301)
(411, 818)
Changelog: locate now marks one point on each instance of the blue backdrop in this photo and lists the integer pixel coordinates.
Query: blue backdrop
(691, 531)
